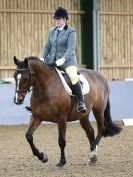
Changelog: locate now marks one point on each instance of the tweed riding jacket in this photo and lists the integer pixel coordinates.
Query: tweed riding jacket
(61, 46)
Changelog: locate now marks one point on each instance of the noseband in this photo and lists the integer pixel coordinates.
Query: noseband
(29, 83)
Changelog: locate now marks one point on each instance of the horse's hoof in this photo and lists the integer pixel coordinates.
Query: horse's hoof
(92, 161)
(61, 164)
(45, 158)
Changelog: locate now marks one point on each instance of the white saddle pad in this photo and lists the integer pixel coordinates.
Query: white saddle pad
(85, 85)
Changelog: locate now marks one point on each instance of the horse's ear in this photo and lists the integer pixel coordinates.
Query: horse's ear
(16, 61)
(26, 61)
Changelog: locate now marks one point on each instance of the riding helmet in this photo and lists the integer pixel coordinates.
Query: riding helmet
(60, 13)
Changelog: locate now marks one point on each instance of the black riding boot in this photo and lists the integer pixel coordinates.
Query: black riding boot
(76, 90)
(28, 108)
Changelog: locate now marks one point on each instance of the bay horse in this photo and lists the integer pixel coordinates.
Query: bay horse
(50, 102)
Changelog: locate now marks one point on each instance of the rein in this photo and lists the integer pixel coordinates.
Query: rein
(29, 83)
(22, 69)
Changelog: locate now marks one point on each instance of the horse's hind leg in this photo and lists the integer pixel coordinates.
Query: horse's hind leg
(90, 134)
(34, 123)
(99, 115)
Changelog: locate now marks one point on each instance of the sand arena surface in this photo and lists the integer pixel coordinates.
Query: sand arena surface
(115, 154)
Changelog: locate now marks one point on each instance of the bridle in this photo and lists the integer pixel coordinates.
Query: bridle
(29, 82)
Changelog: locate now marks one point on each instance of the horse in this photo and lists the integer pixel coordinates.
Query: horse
(50, 102)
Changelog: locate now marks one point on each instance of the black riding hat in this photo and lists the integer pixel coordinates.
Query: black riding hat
(60, 13)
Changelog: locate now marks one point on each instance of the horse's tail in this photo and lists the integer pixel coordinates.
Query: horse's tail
(110, 128)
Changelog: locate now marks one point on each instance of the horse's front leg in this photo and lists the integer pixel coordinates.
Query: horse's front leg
(34, 123)
(62, 141)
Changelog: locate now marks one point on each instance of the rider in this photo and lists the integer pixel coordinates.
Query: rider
(60, 50)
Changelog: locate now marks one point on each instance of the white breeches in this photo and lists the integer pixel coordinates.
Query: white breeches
(72, 73)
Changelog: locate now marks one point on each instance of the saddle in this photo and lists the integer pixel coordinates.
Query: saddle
(67, 83)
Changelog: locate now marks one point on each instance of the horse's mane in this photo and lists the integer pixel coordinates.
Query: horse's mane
(35, 64)
(35, 59)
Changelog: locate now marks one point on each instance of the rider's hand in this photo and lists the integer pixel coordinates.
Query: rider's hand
(60, 61)
(42, 59)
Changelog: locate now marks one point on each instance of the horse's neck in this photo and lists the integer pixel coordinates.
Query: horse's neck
(42, 78)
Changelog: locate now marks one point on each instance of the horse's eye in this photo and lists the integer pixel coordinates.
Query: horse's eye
(25, 78)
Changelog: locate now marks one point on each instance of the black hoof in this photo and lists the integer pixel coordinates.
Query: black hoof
(44, 157)
(61, 163)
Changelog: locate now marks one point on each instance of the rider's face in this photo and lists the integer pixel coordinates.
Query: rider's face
(60, 22)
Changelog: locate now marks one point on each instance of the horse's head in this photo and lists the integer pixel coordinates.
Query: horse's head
(22, 79)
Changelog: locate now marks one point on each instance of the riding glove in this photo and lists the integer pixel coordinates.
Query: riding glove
(60, 62)
(42, 59)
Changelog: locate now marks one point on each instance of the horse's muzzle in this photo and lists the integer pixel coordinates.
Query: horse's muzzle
(19, 100)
